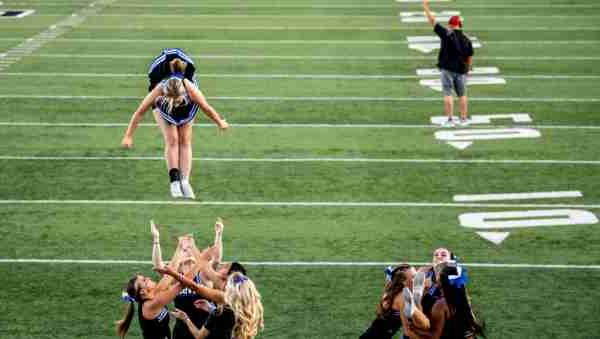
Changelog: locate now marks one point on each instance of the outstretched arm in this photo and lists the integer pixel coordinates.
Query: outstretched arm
(428, 13)
(213, 295)
(137, 116)
(200, 100)
(218, 245)
(156, 254)
(161, 298)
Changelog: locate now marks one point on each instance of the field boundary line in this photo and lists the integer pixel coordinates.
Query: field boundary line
(283, 125)
(311, 159)
(290, 203)
(298, 263)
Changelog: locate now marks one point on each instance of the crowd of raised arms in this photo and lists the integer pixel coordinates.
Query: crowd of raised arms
(212, 299)
(429, 302)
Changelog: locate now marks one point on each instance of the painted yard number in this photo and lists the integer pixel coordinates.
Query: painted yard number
(490, 224)
(463, 138)
(478, 76)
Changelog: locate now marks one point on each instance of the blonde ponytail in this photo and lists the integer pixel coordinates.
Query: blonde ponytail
(244, 300)
(174, 92)
(177, 66)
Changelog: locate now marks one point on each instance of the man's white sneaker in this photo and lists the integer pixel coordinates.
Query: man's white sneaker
(187, 190)
(448, 123)
(465, 122)
(409, 306)
(176, 189)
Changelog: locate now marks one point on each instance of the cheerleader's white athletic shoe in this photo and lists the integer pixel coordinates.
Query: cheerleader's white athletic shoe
(409, 304)
(176, 189)
(418, 287)
(187, 190)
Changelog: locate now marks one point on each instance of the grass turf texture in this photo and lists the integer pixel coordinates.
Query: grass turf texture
(82, 301)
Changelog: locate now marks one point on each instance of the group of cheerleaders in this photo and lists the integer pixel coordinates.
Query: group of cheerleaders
(429, 303)
(215, 300)
(212, 299)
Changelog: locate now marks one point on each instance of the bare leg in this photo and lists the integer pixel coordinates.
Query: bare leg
(464, 102)
(171, 139)
(449, 106)
(185, 149)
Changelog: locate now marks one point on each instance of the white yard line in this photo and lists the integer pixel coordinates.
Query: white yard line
(278, 125)
(342, 204)
(306, 98)
(578, 18)
(310, 6)
(174, 27)
(296, 76)
(292, 263)
(27, 47)
(295, 41)
(317, 57)
(311, 159)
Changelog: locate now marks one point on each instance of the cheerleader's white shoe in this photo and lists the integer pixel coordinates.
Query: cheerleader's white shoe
(176, 189)
(187, 190)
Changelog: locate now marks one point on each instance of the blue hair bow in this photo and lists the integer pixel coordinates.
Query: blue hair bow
(460, 279)
(127, 298)
(388, 273)
(177, 75)
(239, 279)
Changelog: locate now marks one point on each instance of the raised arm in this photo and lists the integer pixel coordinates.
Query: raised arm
(213, 295)
(196, 333)
(156, 253)
(428, 13)
(137, 116)
(217, 247)
(200, 100)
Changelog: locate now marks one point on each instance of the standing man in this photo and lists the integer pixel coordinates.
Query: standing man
(454, 62)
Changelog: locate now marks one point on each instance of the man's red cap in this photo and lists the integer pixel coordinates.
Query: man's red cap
(455, 21)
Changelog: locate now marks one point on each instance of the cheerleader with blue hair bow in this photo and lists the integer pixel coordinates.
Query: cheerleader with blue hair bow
(239, 314)
(452, 316)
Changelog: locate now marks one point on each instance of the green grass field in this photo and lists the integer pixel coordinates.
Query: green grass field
(330, 171)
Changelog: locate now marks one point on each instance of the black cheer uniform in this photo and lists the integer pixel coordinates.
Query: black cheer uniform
(160, 69)
(185, 302)
(157, 328)
(384, 328)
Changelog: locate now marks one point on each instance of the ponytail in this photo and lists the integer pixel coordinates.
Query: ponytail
(177, 66)
(130, 295)
(123, 324)
(397, 281)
